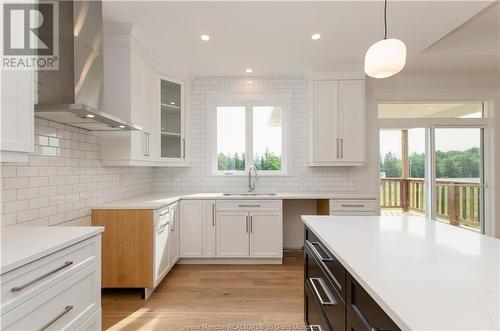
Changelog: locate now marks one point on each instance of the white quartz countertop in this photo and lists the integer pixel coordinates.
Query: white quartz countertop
(24, 244)
(426, 275)
(159, 199)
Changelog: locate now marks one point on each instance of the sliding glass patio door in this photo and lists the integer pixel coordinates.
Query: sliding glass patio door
(458, 180)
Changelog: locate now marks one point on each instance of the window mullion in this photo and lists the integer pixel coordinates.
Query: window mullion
(248, 137)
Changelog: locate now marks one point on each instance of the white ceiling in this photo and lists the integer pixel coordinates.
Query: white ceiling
(274, 38)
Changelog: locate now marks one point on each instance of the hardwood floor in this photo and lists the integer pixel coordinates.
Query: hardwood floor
(214, 297)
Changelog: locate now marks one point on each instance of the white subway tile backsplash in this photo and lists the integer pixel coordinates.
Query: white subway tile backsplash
(59, 185)
(198, 178)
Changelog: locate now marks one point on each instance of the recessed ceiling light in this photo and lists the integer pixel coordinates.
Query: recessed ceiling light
(205, 37)
(248, 71)
(121, 126)
(249, 82)
(172, 103)
(316, 36)
(90, 116)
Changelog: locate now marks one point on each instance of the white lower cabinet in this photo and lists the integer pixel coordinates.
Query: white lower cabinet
(209, 227)
(231, 229)
(266, 234)
(174, 238)
(197, 228)
(61, 291)
(232, 234)
(161, 243)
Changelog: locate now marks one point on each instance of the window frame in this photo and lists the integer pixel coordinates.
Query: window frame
(249, 101)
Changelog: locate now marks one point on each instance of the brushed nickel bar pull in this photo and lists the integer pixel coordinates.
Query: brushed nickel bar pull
(31, 282)
(67, 309)
(251, 223)
(213, 214)
(164, 213)
(249, 206)
(347, 205)
(246, 224)
(183, 148)
(331, 300)
(338, 148)
(341, 148)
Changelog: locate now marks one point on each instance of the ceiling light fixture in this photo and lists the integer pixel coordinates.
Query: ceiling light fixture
(205, 37)
(90, 115)
(386, 57)
(121, 126)
(315, 36)
(248, 71)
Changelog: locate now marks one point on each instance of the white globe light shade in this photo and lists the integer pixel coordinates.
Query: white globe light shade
(385, 58)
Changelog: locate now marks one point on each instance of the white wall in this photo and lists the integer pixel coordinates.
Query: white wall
(64, 179)
(198, 177)
(434, 88)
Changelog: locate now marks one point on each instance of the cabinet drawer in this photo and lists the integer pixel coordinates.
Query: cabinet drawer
(94, 323)
(64, 306)
(248, 205)
(365, 310)
(353, 205)
(333, 269)
(324, 293)
(24, 283)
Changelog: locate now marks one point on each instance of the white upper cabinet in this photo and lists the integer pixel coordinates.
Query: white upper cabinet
(134, 90)
(17, 119)
(337, 122)
(172, 120)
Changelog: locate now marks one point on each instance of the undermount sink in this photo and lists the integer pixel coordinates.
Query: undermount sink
(248, 194)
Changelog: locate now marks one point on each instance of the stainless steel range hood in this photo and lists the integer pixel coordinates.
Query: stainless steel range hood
(73, 94)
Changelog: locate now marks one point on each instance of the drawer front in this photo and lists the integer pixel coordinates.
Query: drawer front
(365, 310)
(353, 205)
(248, 205)
(94, 323)
(161, 215)
(24, 283)
(313, 315)
(332, 268)
(324, 293)
(64, 306)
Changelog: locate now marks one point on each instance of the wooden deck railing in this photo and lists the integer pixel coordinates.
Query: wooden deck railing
(457, 202)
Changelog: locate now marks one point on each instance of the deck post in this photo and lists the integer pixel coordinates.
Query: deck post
(405, 167)
(454, 204)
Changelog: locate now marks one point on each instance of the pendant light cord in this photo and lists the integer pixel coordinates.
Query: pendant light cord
(385, 19)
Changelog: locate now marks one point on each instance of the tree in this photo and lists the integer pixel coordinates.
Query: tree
(391, 165)
(417, 165)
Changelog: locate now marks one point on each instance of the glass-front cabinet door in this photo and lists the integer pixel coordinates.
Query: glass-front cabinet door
(172, 144)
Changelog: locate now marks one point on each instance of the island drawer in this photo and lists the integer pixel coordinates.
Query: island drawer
(313, 315)
(365, 311)
(248, 205)
(333, 269)
(323, 292)
(26, 282)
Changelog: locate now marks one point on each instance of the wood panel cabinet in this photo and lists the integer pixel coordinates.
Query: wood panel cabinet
(337, 122)
(139, 246)
(16, 115)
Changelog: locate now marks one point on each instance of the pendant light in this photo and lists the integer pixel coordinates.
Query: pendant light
(386, 57)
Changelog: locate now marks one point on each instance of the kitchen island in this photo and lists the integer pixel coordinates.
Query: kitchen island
(422, 274)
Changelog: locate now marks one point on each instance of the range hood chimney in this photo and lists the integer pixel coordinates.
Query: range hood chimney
(73, 94)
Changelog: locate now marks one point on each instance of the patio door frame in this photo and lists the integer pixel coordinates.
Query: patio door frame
(430, 125)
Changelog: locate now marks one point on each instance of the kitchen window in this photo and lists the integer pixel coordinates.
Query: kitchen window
(249, 134)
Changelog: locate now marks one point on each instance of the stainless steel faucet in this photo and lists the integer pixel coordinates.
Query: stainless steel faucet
(251, 184)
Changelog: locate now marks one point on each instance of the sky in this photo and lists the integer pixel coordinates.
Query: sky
(446, 140)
